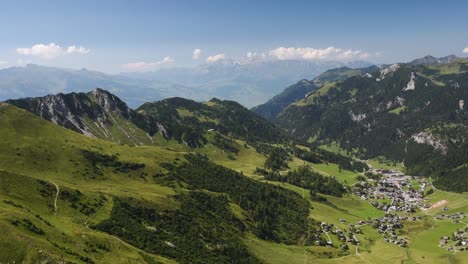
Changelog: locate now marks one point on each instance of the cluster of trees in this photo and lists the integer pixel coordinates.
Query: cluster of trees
(201, 230)
(310, 156)
(277, 159)
(277, 156)
(275, 213)
(373, 176)
(318, 155)
(307, 179)
(27, 224)
(78, 201)
(113, 161)
(225, 144)
(454, 180)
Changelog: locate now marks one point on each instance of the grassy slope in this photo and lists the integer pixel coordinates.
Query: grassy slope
(45, 151)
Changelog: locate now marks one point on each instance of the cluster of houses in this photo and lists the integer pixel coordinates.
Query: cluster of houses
(400, 196)
(343, 236)
(388, 225)
(400, 199)
(458, 241)
(394, 186)
(456, 217)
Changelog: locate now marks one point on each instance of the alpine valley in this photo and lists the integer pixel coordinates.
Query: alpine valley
(355, 165)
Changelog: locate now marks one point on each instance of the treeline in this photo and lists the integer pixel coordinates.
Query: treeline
(305, 178)
(275, 213)
(279, 156)
(317, 155)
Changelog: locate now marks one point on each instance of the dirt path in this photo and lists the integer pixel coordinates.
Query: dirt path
(326, 174)
(56, 195)
(357, 251)
(85, 223)
(326, 233)
(438, 204)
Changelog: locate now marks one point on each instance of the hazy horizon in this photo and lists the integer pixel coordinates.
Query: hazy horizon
(125, 36)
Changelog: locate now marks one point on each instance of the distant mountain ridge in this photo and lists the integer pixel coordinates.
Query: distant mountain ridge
(433, 60)
(249, 83)
(35, 80)
(291, 94)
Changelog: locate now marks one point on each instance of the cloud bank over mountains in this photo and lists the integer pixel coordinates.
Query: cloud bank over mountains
(308, 53)
(147, 66)
(51, 51)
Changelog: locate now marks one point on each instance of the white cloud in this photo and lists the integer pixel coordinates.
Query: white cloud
(146, 66)
(215, 58)
(465, 50)
(51, 50)
(196, 54)
(307, 53)
(251, 57)
(79, 50)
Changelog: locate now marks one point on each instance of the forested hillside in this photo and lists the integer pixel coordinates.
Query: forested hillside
(298, 91)
(414, 114)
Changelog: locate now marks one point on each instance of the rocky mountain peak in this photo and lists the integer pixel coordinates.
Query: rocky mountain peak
(110, 102)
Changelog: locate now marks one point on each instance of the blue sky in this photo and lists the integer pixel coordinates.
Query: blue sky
(114, 36)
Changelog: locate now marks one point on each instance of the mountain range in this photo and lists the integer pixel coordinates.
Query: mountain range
(103, 115)
(247, 83)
